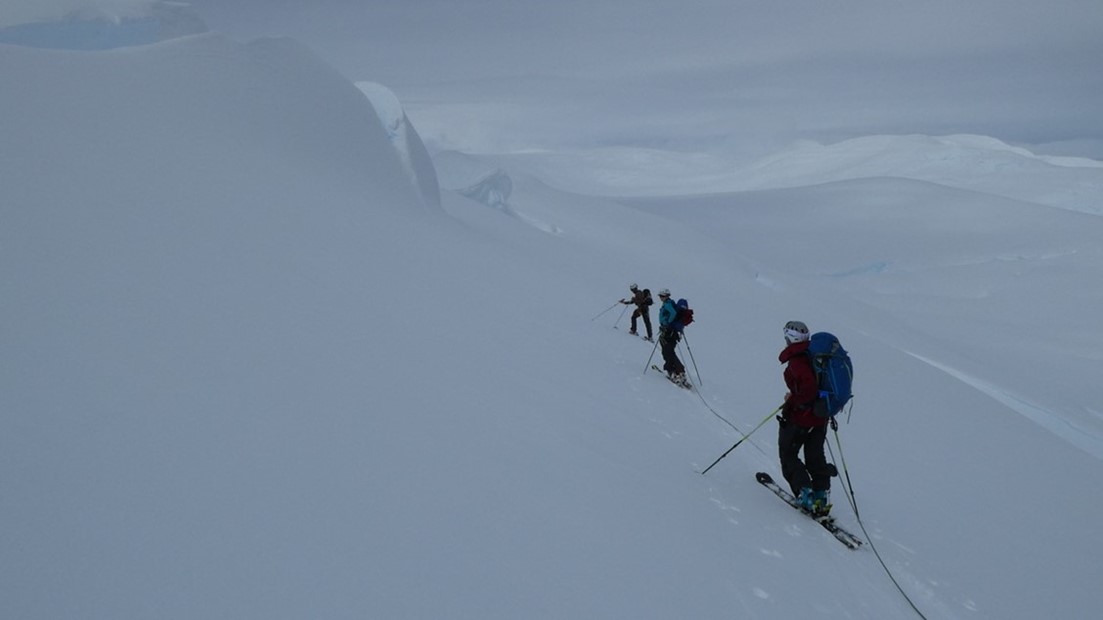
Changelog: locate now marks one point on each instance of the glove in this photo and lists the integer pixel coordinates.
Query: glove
(782, 421)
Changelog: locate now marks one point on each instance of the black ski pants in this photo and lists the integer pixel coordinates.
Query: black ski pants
(814, 471)
(638, 312)
(668, 340)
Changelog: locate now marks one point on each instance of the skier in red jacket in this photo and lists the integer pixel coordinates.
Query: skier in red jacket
(800, 428)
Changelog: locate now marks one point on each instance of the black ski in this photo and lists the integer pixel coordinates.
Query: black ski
(687, 385)
(828, 523)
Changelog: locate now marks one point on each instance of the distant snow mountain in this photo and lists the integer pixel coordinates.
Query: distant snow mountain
(99, 26)
(976, 163)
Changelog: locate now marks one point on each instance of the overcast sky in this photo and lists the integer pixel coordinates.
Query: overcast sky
(501, 75)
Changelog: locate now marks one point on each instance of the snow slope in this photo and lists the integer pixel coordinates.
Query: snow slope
(248, 371)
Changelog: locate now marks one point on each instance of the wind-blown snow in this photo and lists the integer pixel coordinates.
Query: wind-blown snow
(415, 158)
(249, 371)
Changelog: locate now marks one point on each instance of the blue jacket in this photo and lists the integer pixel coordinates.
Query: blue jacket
(667, 314)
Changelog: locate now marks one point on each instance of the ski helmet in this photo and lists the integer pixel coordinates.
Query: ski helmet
(795, 331)
(633, 287)
(664, 292)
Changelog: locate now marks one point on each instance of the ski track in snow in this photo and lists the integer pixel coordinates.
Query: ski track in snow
(1048, 420)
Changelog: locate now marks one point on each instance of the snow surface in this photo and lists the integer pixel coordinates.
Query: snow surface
(249, 371)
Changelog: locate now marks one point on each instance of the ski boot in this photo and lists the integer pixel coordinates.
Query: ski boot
(821, 503)
(804, 498)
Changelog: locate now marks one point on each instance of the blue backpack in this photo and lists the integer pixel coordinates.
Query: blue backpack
(683, 315)
(834, 374)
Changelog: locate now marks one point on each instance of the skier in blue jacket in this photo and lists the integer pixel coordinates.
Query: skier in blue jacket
(669, 337)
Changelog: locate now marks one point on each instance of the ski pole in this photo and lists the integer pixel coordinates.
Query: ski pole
(693, 359)
(605, 310)
(621, 316)
(765, 420)
(648, 364)
(846, 472)
(854, 504)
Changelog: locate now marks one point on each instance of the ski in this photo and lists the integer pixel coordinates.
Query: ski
(687, 385)
(638, 335)
(828, 523)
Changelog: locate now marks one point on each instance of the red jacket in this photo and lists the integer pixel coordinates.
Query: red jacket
(801, 381)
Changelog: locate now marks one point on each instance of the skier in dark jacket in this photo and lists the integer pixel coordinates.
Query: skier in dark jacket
(669, 337)
(643, 302)
(800, 427)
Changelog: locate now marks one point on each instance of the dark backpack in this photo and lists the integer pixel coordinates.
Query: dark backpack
(834, 374)
(684, 316)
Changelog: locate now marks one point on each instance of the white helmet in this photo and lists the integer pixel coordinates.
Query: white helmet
(664, 292)
(633, 287)
(795, 331)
